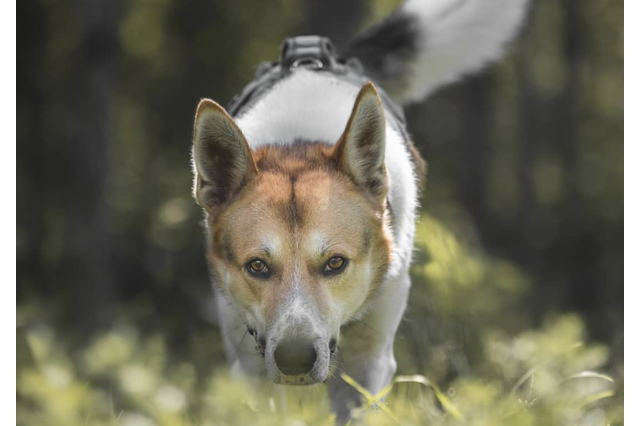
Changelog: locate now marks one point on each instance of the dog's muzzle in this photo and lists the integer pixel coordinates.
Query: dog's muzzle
(298, 356)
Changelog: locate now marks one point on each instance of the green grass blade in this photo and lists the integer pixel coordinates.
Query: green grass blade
(590, 374)
(371, 400)
(444, 400)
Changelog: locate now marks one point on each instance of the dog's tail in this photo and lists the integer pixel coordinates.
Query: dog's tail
(428, 43)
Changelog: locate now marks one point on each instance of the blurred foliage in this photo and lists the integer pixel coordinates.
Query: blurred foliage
(550, 376)
(522, 218)
(542, 377)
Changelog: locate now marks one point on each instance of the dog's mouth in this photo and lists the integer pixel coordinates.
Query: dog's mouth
(296, 361)
(261, 343)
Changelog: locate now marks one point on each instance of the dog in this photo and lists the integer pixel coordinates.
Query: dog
(309, 184)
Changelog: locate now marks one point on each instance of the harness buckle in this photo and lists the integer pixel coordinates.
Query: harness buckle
(312, 52)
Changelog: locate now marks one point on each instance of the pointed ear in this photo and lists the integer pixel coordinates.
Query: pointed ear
(222, 159)
(361, 148)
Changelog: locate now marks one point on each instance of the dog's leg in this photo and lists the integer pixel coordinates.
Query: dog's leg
(367, 351)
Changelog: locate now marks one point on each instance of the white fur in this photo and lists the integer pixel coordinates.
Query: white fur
(459, 37)
(316, 107)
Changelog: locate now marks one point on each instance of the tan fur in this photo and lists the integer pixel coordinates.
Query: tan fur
(300, 192)
(293, 208)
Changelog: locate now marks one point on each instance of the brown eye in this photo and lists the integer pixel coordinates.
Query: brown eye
(257, 265)
(258, 268)
(334, 265)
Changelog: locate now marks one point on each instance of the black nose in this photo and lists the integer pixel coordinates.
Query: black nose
(295, 357)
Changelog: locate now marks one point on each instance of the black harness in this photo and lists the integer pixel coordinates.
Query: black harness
(312, 53)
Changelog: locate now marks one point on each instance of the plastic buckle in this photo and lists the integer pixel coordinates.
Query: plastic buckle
(313, 52)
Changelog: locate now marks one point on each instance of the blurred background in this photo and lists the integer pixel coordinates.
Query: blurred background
(522, 217)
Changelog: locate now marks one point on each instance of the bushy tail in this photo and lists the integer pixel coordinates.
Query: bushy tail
(429, 43)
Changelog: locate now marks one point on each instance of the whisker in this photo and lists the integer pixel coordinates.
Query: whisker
(232, 330)
(366, 325)
(325, 247)
(235, 350)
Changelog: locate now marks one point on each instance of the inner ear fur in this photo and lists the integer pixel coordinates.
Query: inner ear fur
(222, 159)
(361, 149)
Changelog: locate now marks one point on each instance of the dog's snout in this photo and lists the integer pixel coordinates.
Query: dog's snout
(295, 356)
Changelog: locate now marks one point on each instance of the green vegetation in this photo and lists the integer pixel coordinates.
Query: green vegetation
(546, 376)
(541, 377)
(516, 307)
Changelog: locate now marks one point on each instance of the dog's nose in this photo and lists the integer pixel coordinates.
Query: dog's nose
(295, 356)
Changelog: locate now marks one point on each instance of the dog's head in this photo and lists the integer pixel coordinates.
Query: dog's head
(298, 234)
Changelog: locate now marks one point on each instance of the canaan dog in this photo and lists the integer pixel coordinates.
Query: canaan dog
(310, 197)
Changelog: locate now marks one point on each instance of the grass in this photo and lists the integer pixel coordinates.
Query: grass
(541, 377)
(512, 373)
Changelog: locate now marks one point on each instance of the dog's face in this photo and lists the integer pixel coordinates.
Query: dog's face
(298, 235)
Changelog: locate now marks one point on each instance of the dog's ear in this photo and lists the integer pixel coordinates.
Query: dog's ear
(222, 159)
(361, 148)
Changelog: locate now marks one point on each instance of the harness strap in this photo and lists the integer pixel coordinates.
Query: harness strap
(314, 53)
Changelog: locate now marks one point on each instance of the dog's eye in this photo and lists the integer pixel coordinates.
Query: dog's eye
(258, 268)
(334, 265)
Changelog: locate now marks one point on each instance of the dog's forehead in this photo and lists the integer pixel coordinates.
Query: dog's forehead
(305, 213)
(337, 215)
